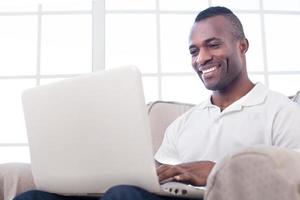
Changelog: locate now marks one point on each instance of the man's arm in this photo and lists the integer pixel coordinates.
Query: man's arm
(286, 127)
(194, 173)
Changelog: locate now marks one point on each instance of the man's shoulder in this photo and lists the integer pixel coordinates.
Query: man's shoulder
(279, 99)
(281, 103)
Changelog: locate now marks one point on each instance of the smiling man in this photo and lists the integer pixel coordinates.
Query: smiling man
(238, 114)
(218, 46)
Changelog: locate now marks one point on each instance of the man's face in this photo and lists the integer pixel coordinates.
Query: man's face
(217, 57)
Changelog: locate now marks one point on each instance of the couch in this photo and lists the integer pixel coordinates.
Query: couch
(267, 173)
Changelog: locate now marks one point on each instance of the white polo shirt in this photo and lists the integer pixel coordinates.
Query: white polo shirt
(205, 133)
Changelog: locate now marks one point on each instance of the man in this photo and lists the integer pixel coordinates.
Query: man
(238, 114)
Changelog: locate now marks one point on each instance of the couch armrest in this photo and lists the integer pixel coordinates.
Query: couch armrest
(256, 173)
(15, 178)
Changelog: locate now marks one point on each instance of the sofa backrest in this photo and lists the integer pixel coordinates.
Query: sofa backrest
(161, 114)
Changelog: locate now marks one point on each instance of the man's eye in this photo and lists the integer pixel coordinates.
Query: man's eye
(214, 45)
(193, 52)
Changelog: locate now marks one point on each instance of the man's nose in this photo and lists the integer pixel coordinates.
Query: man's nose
(203, 57)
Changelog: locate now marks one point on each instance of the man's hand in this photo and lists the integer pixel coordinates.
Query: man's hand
(194, 173)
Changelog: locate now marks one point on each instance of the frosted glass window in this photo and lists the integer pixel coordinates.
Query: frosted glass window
(13, 154)
(12, 128)
(237, 4)
(18, 6)
(66, 5)
(49, 5)
(282, 42)
(66, 44)
(130, 4)
(281, 5)
(131, 40)
(18, 45)
(150, 85)
(286, 84)
(255, 78)
(254, 54)
(188, 89)
(190, 5)
(175, 32)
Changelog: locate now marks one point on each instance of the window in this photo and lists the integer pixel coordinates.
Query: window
(48, 40)
(157, 42)
(41, 42)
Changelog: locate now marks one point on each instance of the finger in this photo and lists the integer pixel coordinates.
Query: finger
(163, 174)
(190, 179)
(162, 168)
(169, 173)
(167, 180)
(185, 177)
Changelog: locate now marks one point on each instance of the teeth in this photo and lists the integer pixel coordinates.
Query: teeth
(209, 70)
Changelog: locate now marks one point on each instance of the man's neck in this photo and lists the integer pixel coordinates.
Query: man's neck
(234, 92)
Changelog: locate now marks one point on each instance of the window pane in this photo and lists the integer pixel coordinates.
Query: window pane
(130, 4)
(255, 78)
(150, 85)
(286, 84)
(18, 6)
(175, 31)
(191, 5)
(14, 154)
(281, 5)
(131, 40)
(237, 4)
(12, 126)
(49, 5)
(187, 89)
(66, 44)
(282, 42)
(62, 5)
(252, 29)
(18, 39)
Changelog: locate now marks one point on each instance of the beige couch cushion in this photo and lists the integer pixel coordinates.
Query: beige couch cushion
(257, 173)
(161, 114)
(14, 179)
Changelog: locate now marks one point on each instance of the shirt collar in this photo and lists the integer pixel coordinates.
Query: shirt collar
(255, 96)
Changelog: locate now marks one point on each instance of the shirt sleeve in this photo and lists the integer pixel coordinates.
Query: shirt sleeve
(167, 152)
(286, 127)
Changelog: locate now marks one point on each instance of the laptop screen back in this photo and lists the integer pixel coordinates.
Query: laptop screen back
(89, 133)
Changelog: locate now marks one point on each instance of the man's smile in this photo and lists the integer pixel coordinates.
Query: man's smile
(209, 70)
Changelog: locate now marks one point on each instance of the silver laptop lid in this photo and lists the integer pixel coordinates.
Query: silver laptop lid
(89, 133)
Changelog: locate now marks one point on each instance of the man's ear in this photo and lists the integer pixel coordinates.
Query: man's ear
(244, 45)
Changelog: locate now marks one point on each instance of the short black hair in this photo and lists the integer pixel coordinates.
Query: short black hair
(237, 27)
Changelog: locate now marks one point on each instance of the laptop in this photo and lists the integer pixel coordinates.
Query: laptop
(89, 133)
